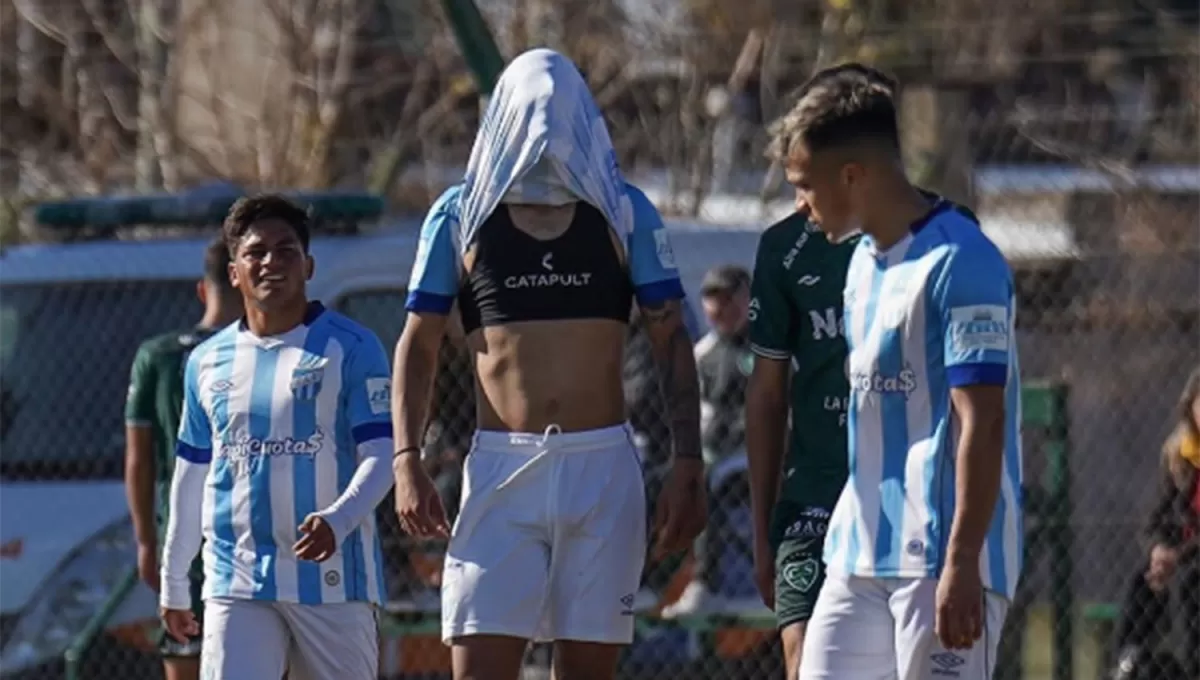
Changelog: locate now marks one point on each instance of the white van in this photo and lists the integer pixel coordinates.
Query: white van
(71, 318)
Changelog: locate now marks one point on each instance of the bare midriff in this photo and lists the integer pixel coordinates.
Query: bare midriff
(533, 374)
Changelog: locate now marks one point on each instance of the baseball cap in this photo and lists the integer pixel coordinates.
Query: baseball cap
(724, 279)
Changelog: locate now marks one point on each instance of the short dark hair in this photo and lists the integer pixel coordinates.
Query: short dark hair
(839, 105)
(249, 210)
(216, 264)
(724, 279)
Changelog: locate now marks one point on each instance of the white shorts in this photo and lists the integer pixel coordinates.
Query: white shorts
(550, 538)
(882, 629)
(253, 640)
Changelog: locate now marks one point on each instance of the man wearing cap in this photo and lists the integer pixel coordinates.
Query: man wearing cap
(724, 362)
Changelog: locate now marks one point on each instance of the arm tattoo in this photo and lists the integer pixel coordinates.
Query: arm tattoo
(677, 375)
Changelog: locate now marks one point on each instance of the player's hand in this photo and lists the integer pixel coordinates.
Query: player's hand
(181, 624)
(147, 565)
(682, 507)
(317, 542)
(959, 618)
(418, 505)
(764, 570)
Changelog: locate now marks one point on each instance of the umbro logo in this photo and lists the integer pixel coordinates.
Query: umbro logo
(946, 664)
(808, 280)
(627, 605)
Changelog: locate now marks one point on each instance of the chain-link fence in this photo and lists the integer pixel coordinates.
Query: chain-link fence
(1071, 131)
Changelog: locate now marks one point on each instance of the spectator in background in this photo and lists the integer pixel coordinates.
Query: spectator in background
(723, 364)
(1175, 549)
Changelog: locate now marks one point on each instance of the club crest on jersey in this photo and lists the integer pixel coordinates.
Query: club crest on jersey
(307, 379)
(802, 575)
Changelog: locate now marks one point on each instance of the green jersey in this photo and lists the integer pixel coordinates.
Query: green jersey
(796, 316)
(155, 398)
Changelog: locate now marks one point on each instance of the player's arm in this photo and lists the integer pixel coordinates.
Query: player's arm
(772, 329)
(367, 404)
(139, 449)
(660, 296)
(431, 292)
(974, 297)
(193, 455)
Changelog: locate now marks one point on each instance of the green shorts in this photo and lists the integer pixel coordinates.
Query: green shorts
(169, 647)
(798, 539)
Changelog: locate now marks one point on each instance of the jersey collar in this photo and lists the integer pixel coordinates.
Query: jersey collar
(311, 314)
(937, 207)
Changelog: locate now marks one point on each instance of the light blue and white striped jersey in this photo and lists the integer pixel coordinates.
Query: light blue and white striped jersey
(933, 312)
(278, 420)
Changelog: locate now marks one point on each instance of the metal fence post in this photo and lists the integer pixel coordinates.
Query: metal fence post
(1061, 538)
(476, 42)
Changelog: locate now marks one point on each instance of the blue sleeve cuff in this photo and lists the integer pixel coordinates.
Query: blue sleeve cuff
(370, 432)
(420, 301)
(659, 291)
(964, 375)
(193, 454)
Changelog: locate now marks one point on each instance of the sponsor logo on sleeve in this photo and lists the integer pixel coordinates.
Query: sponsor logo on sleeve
(979, 328)
(662, 248)
(379, 395)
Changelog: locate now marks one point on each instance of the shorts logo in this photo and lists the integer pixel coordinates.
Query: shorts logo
(307, 379)
(946, 664)
(627, 604)
(802, 575)
(379, 395)
(332, 579)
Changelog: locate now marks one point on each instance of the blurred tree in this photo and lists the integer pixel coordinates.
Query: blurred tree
(147, 94)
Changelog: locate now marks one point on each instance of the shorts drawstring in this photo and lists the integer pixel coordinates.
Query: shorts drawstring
(550, 431)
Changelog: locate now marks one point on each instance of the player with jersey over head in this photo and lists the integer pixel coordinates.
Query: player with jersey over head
(544, 247)
(283, 455)
(800, 359)
(923, 551)
(152, 410)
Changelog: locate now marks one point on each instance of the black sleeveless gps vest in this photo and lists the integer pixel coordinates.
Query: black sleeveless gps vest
(516, 277)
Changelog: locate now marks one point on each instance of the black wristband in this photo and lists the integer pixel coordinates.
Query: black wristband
(408, 449)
